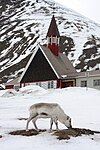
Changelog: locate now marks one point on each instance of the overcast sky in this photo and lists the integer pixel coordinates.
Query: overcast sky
(88, 8)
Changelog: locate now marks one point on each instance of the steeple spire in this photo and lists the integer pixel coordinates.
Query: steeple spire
(53, 37)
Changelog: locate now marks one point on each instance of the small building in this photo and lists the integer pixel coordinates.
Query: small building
(88, 79)
(13, 84)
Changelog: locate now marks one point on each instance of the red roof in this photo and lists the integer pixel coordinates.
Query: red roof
(53, 29)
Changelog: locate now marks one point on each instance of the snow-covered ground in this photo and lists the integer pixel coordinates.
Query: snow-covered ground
(82, 105)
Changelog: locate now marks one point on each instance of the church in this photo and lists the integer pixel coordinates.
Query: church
(49, 68)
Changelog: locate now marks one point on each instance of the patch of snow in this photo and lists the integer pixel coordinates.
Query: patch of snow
(81, 105)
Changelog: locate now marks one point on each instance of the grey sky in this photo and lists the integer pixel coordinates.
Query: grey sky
(88, 8)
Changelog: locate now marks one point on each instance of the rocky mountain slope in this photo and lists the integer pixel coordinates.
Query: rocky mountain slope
(24, 23)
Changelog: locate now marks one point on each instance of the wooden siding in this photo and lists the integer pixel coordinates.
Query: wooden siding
(9, 86)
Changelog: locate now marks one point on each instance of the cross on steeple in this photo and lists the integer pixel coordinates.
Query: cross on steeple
(53, 8)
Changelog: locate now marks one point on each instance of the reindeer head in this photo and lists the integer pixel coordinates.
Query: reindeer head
(67, 122)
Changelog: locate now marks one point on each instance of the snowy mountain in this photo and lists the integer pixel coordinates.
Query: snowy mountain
(24, 23)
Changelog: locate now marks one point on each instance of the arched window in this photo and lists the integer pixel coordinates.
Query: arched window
(49, 40)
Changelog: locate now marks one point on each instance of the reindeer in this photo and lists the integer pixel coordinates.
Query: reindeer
(48, 110)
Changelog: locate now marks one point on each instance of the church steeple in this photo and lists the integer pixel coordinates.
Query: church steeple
(53, 37)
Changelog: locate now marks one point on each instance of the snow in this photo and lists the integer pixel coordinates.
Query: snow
(81, 104)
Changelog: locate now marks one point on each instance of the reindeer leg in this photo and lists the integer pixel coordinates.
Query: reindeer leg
(29, 119)
(34, 123)
(56, 123)
(51, 124)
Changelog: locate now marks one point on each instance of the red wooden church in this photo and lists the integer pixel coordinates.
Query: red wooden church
(48, 67)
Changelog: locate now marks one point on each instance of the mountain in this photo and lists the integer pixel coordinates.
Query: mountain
(24, 23)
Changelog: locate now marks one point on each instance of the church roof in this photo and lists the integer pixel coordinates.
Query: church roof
(43, 65)
(53, 29)
(60, 63)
